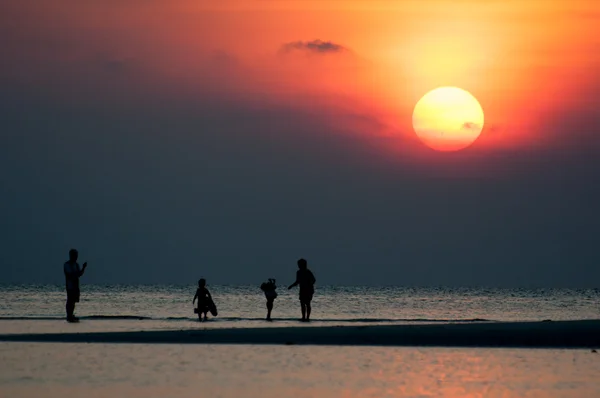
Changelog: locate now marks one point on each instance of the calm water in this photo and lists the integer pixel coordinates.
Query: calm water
(40, 308)
(103, 370)
(148, 371)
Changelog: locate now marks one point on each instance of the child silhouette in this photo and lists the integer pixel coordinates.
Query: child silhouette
(270, 294)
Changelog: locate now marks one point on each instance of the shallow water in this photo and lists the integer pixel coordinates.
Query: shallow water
(145, 371)
(152, 307)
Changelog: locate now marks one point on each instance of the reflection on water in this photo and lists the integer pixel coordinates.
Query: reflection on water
(97, 370)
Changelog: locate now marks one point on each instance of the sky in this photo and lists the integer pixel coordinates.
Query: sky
(172, 140)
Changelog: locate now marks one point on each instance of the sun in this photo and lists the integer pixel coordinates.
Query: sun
(448, 119)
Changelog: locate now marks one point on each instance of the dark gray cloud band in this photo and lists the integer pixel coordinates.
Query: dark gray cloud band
(314, 46)
(470, 126)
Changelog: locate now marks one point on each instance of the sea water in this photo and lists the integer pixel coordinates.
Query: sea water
(175, 370)
(121, 307)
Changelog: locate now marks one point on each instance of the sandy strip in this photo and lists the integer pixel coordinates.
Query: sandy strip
(563, 334)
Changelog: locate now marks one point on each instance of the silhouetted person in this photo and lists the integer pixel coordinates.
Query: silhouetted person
(270, 293)
(72, 274)
(306, 280)
(204, 299)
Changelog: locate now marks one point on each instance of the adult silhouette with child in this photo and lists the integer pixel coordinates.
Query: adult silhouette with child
(306, 280)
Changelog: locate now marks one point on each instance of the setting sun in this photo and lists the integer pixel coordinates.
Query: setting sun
(448, 119)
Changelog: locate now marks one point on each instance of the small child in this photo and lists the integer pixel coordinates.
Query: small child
(270, 293)
(204, 299)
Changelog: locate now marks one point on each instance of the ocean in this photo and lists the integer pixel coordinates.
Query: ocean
(244, 306)
(248, 370)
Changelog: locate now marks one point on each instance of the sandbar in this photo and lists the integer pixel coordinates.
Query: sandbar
(547, 334)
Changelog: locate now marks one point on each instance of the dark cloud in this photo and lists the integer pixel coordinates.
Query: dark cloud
(314, 46)
(470, 125)
(224, 59)
(494, 128)
(115, 66)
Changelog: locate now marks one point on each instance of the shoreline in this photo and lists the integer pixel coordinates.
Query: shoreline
(544, 334)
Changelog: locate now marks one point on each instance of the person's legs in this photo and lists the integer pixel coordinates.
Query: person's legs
(269, 309)
(72, 298)
(70, 307)
(305, 299)
(202, 309)
(308, 299)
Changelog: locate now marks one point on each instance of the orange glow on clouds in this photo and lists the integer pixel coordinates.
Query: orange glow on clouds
(522, 60)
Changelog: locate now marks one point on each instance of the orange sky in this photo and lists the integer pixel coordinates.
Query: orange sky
(523, 60)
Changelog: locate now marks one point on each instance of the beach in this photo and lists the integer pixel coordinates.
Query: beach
(550, 334)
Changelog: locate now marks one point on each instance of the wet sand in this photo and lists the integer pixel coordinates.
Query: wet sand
(561, 334)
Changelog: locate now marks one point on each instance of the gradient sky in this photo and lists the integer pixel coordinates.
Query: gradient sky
(169, 140)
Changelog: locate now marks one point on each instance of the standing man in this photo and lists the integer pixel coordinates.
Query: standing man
(72, 274)
(306, 280)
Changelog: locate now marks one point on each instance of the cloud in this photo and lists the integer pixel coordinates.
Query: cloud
(224, 59)
(470, 125)
(113, 65)
(314, 46)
